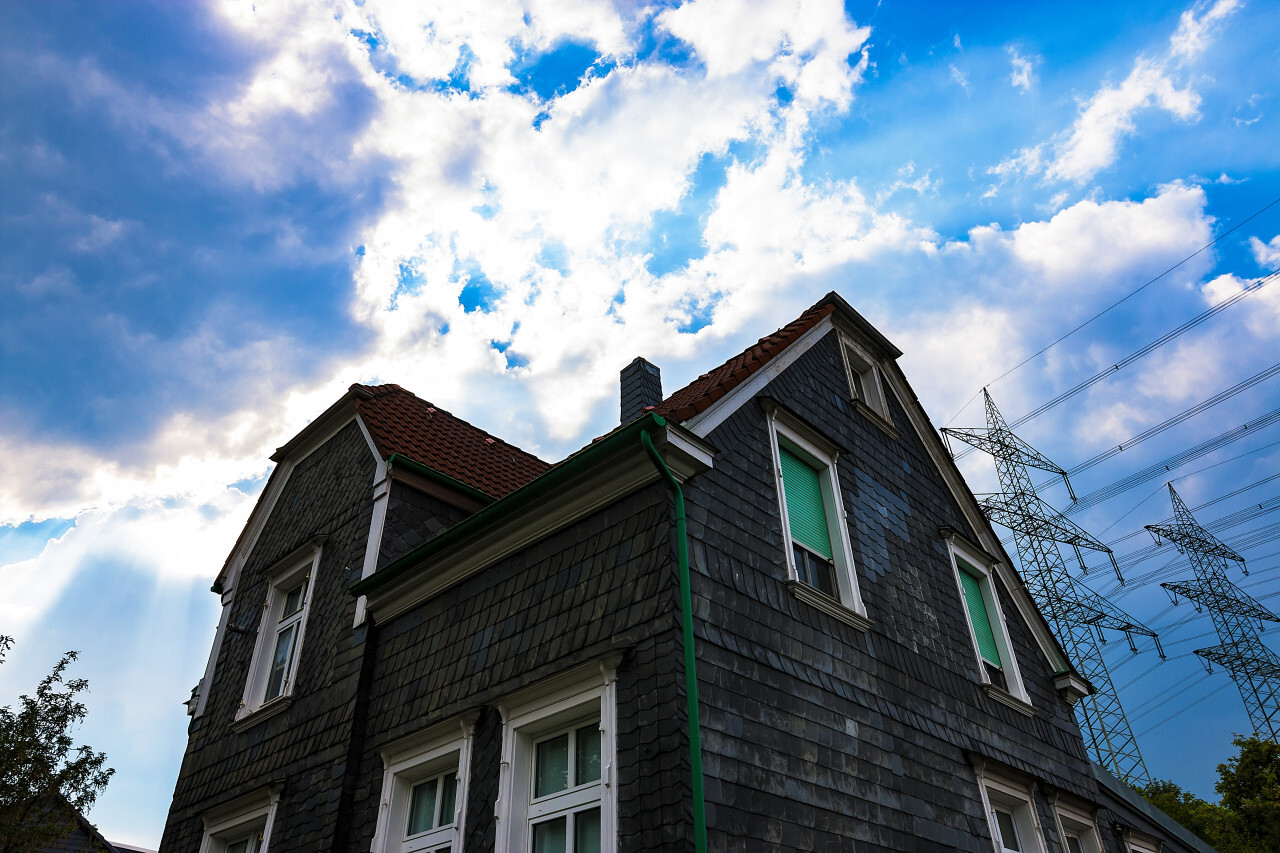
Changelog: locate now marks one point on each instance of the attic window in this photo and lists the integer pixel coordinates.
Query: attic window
(865, 388)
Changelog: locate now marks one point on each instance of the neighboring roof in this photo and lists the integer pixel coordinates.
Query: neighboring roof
(401, 423)
(1141, 804)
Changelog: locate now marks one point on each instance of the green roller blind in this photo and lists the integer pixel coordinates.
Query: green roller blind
(979, 617)
(805, 512)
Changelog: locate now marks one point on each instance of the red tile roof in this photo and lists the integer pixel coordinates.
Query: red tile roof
(400, 422)
(699, 394)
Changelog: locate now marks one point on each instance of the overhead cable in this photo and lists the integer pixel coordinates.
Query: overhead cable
(1115, 304)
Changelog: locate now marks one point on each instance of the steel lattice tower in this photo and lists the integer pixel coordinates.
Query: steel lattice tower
(1076, 614)
(1254, 668)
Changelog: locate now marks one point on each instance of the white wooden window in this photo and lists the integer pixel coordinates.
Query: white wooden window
(424, 791)
(818, 553)
(1011, 814)
(241, 826)
(988, 632)
(1077, 827)
(557, 793)
(274, 667)
(864, 378)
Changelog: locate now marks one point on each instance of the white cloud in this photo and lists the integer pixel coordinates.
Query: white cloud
(1193, 33)
(960, 78)
(1023, 75)
(1266, 255)
(1107, 117)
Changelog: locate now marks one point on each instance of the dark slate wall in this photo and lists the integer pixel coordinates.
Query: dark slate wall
(606, 583)
(818, 735)
(306, 745)
(413, 517)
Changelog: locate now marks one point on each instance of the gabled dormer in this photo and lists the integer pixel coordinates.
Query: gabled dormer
(395, 466)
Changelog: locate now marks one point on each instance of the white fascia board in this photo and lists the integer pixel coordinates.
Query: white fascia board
(704, 422)
(968, 504)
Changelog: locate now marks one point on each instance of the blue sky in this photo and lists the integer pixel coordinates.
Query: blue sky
(217, 217)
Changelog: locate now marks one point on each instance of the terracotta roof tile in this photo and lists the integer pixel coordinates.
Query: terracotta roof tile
(400, 422)
(698, 395)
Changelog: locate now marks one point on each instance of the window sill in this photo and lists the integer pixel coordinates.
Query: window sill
(1004, 697)
(827, 604)
(879, 420)
(263, 712)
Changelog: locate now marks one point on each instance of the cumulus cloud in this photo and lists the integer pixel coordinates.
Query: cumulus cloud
(1266, 255)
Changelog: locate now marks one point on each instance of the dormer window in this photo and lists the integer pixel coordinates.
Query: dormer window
(865, 387)
(281, 630)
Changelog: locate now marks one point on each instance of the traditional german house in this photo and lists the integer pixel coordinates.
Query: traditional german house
(764, 613)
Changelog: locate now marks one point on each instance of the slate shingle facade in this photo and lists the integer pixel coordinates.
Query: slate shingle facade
(817, 734)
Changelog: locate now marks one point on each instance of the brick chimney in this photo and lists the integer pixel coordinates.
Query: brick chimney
(641, 385)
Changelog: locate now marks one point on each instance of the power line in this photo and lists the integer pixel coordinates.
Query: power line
(1252, 287)
(1197, 508)
(1166, 466)
(1213, 692)
(1118, 302)
(1185, 414)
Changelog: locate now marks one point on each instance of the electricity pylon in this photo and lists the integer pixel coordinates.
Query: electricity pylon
(1254, 668)
(1076, 614)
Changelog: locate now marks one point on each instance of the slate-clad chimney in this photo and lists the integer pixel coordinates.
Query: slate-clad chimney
(641, 387)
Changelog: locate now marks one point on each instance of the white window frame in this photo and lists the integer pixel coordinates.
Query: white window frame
(1140, 842)
(861, 370)
(232, 821)
(985, 568)
(1006, 793)
(1080, 821)
(567, 701)
(281, 579)
(785, 430)
(416, 758)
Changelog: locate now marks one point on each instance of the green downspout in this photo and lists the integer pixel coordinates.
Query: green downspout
(686, 619)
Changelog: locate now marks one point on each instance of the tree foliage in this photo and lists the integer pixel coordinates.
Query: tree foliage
(1247, 820)
(44, 780)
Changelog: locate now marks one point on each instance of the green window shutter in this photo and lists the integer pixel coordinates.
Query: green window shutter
(979, 617)
(805, 512)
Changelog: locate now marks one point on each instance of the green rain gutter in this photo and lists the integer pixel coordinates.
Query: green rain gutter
(686, 620)
(531, 492)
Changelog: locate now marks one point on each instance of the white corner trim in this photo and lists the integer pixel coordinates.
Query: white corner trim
(377, 523)
(703, 423)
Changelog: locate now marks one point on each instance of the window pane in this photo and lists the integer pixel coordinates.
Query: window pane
(549, 837)
(293, 599)
(422, 808)
(1073, 844)
(806, 515)
(552, 766)
(588, 758)
(586, 831)
(1008, 832)
(859, 389)
(448, 798)
(238, 846)
(280, 662)
(815, 571)
(978, 616)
